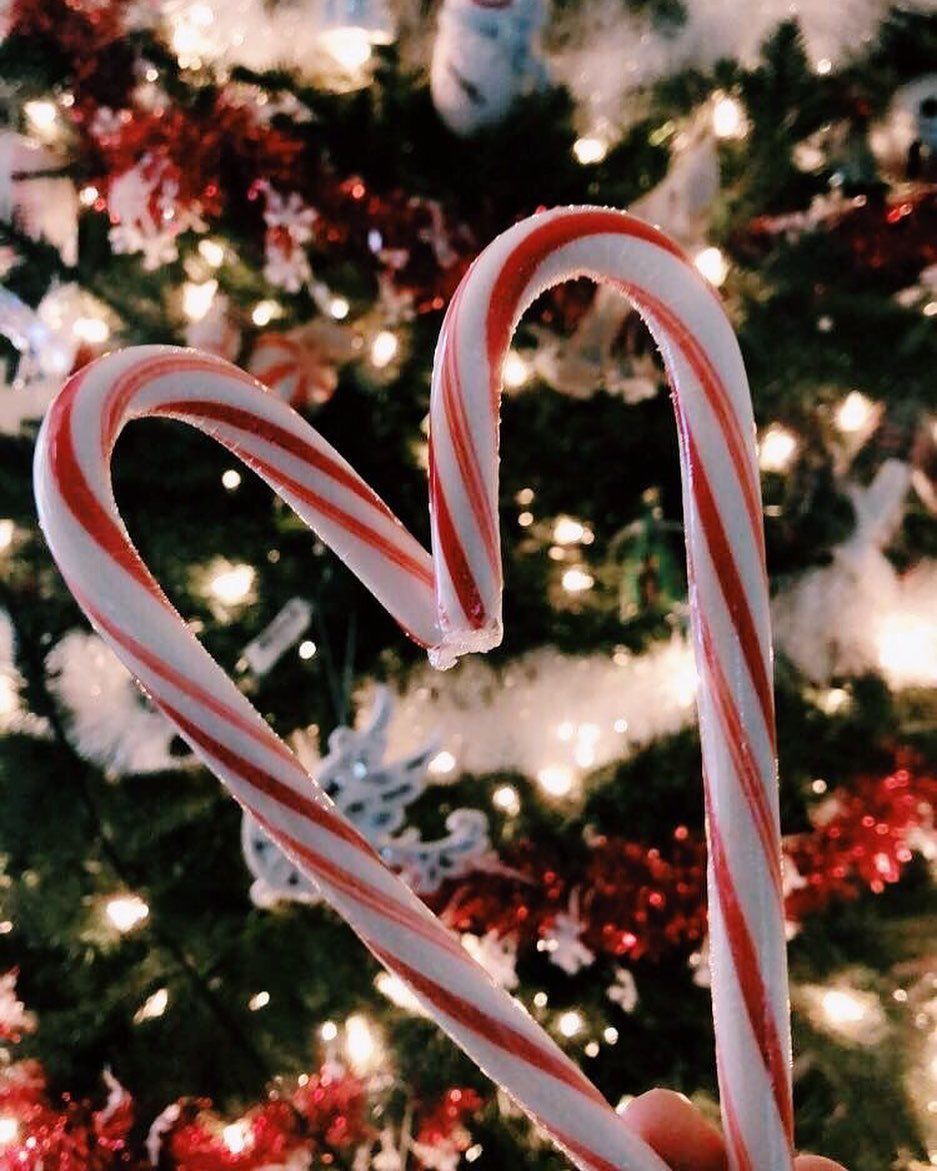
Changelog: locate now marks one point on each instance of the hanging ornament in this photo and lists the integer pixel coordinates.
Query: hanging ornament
(905, 141)
(275, 640)
(373, 796)
(682, 201)
(486, 56)
(289, 224)
(301, 366)
(651, 567)
(44, 208)
(564, 942)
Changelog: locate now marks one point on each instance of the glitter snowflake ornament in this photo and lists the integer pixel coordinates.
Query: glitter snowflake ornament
(373, 796)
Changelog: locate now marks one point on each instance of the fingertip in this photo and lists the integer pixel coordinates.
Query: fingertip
(816, 1163)
(669, 1123)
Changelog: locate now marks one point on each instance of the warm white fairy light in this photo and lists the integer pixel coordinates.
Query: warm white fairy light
(568, 531)
(525, 519)
(854, 412)
(9, 1130)
(526, 495)
(88, 195)
(442, 764)
(712, 264)
(930, 309)
(307, 649)
(557, 780)
(842, 1008)
(610, 1035)
(231, 479)
(514, 370)
(507, 799)
(474, 1152)
(824, 66)
(398, 993)
(350, 47)
(584, 751)
(728, 117)
(265, 311)
(684, 681)
(384, 348)
(577, 581)
(362, 1045)
(197, 298)
(906, 643)
(126, 912)
(565, 731)
(259, 1000)
(589, 150)
(540, 1000)
(233, 585)
(93, 330)
(570, 1023)
(237, 1136)
(833, 700)
(329, 1031)
(153, 1007)
(42, 116)
(339, 308)
(850, 1013)
(212, 252)
(777, 448)
(7, 529)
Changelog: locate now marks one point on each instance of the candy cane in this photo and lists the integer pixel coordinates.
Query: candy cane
(451, 604)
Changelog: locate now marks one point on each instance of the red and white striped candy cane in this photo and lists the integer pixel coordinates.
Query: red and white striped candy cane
(728, 593)
(450, 605)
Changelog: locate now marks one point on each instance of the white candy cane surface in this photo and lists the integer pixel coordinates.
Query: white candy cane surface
(451, 603)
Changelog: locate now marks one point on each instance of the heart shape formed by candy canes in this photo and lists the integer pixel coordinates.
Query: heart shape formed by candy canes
(451, 604)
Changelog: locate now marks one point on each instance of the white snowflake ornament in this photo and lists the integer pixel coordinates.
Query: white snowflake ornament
(624, 992)
(564, 945)
(497, 954)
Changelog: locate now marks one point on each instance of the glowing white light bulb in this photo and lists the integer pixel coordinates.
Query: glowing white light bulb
(570, 1023)
(577, 581)
(540, 1000)
(231, 479)
(589, 150)
(264, 312)
(777, 448)
(9, 1129)
(525, 519)
(514, 371)
(197, 298)
(231, 586)
(610, 1035)
(442, 763)
(126, 912)
(307, 649)
(384, 348)
(568, 531)
(350, 47)
(474, 1152)
(824, 66)
(854, 412)
(711, 262)
(339, 308)
(238, 1136)
(93, 330)
(728, 117)
(362, 1047)
(212, 252)
(88, 195)
(556, 779)
(153, 1007)
(258, 1001)
(329, 1031)
(41, 115)
(398, 993)
(906, 644)
(7, 529)
(507, 799)
(842, 1008)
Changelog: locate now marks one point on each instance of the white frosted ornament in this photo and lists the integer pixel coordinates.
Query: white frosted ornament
(486, 56)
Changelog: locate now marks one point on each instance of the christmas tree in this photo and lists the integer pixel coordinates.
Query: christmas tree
(299, 187)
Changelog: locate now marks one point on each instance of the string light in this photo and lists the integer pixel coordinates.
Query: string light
(525, 496)
(237, 1136)
(728, 117)
(610, 1035)
(589, 150)
(339, 308)
(93, 330)
(712, 264)
(854, 1015)
(232, 586)
(9, 1130)
(587, 737)
(525, 519)
(442, 763)
(507, 799)
(842, 1008)
(7, 529)
(349, 47)
(197, 298)
(514, 371)
(568, 531)
(398, 993)
(474, 1152)
(570, 1023)
(906, 643)
(777, 449)
(42, 116)
(854, 412)
(265, 311)
(558, 780)
(231, 479)
(329, 1031)
(577, 580)
(540, 1000)
(258, 1001)
(307, 649)
(824, 66)
(153, 1007)
(930, 309)
(88, 195)
(384, 348)
(362, 1047)
(212, 252)
(126, 912)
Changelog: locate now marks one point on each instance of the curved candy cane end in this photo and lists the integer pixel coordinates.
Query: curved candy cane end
(456, 643)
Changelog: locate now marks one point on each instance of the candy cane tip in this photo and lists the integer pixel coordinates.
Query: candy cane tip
(456, 643)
